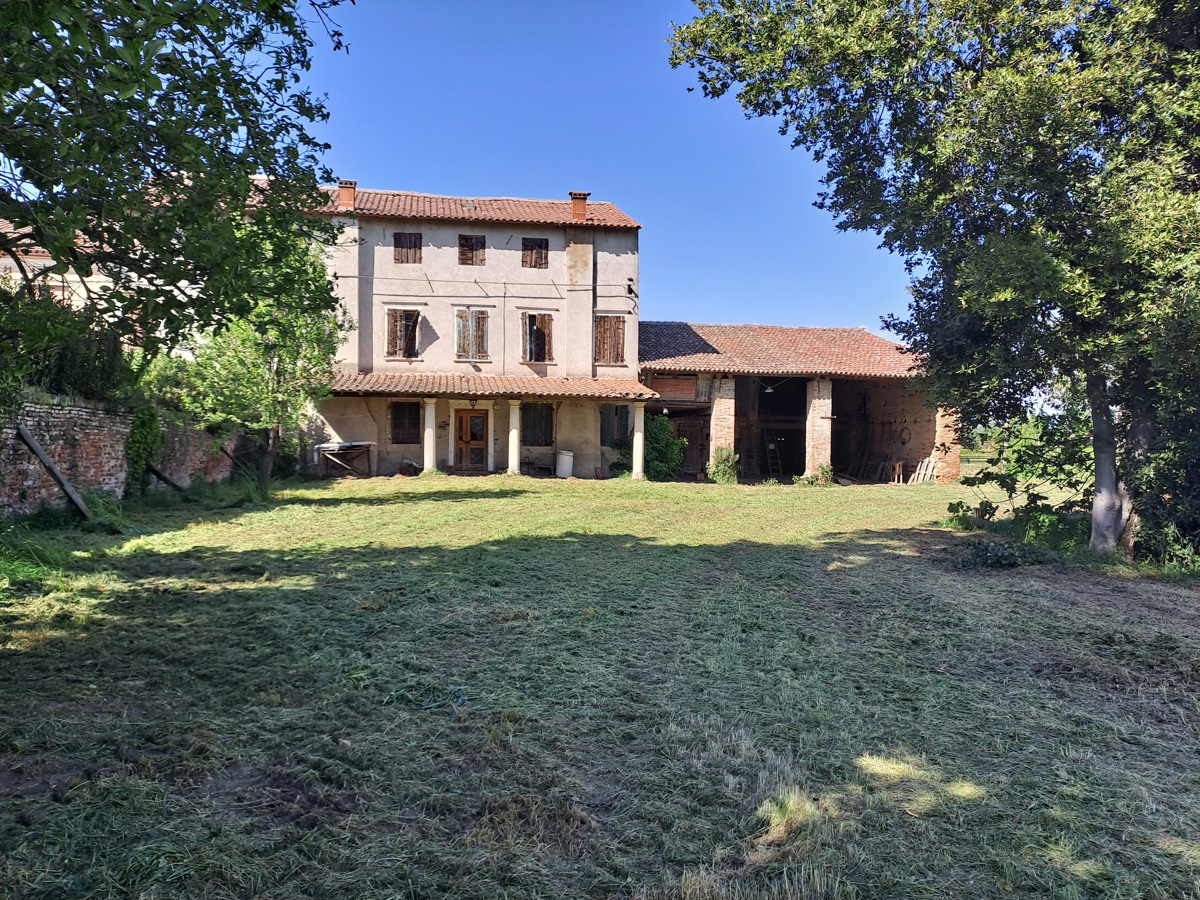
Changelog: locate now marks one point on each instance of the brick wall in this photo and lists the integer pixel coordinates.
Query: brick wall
(818, 428)
(186, 455)
(723, 421)
(87, 443)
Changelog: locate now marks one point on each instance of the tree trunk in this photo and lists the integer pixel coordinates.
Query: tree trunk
(1140, 438)
(1111, 504)
(266, 460)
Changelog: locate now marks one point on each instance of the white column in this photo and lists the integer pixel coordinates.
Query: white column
(514, 437)
(430, 434)
(639, 441)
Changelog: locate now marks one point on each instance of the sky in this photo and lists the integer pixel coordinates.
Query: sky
(491, 98)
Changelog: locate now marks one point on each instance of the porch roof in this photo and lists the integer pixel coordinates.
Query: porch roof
(419, 384)
(770, 350)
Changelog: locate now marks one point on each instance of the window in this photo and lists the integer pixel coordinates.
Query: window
(610, 339)
(535, 253)
(614, 424)
(471, 250)
(471, 334)
(406, 246)
(537, 330)
(537, 424)
(406, 423)
(402, 328)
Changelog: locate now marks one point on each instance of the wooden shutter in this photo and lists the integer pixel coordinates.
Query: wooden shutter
(545, 326)
(471, 250)
(395, 332)
(462, 334)
(479, 335)
(406, 246)
(525, 342)
(412, 323)
(535, 253)
(610, 339)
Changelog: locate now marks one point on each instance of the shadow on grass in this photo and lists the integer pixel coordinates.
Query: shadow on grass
(398, 499)
(587, 714)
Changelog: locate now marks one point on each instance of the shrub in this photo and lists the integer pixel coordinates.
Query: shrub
(722, 468)
(141, 447)
(664, 451)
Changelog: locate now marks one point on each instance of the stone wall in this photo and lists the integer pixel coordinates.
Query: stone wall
(87, 442)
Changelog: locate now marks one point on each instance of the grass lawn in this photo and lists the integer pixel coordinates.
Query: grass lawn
(505, 687)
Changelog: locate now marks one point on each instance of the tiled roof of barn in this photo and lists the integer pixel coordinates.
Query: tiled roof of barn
(770, 350)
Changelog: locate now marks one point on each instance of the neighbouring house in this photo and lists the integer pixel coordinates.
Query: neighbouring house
(492, 333)
(790, 401)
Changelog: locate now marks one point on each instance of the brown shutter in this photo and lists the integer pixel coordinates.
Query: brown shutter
(406, 246)
(617, 339)
(395, 327)
(525, 343)
(546, 327)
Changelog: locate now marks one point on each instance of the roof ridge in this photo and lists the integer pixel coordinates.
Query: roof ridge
(396, 192)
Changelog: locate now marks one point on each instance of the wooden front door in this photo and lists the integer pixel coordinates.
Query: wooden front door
(470, 440)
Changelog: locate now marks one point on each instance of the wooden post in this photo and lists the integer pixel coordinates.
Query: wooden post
(31, 442)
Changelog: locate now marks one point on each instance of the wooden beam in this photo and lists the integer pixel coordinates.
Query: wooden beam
(153, 470)
(31, 442)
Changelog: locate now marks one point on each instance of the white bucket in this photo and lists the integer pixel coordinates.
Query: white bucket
(566, 463)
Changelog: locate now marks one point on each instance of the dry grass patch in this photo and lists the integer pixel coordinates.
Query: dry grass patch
(505, 687)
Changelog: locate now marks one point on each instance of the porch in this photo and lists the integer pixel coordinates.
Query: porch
(465, 424)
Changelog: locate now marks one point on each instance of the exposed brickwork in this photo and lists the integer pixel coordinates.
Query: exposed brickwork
(86, 442)
(186, 455)
(723, 422)
(818, 428)
(947, 450)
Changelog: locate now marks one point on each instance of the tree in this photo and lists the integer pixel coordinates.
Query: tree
(161, 144)
(1034, 162)
(262, 373)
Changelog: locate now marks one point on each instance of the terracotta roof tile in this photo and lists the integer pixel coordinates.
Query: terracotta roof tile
(489, 386)
(769, 350)
(406, 205)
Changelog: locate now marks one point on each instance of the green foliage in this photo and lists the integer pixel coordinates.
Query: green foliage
(722, 468)
(136, 139)
(49, 346)
(261, 374)
(664, 451)
(1005, 555)
(770, 482)
(1035, 165)
(822, 478)
(141, 449)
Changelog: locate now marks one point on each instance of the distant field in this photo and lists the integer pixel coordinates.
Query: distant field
(506, 687)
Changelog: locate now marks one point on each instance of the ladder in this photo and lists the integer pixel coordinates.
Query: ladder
(774, 467)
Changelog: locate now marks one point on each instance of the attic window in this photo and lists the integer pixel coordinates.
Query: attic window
(472, 250)
(535, 253)
(406, 246)
(468, 204)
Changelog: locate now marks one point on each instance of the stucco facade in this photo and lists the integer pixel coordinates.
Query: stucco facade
(502, 301)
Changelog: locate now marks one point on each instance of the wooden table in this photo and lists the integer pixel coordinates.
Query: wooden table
(355, 457)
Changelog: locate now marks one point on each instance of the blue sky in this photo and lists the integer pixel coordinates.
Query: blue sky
(539, 98)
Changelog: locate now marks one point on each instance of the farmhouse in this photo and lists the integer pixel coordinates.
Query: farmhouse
(500, 334)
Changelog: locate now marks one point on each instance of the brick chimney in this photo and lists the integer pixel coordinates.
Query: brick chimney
(579, 205)
(345, 200)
